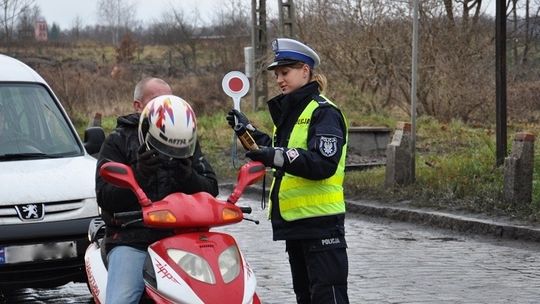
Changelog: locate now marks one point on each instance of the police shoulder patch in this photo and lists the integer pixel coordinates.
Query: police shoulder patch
(328, 146)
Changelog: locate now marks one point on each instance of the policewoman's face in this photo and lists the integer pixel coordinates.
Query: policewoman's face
(290, 79)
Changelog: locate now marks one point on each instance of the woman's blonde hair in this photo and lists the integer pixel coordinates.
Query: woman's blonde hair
(321, 81)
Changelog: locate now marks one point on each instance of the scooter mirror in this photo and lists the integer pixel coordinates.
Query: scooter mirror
(249, 174)
(118, 174)
(122, 176)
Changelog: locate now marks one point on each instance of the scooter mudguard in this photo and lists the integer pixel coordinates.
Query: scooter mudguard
(198, 268)
(96, 273)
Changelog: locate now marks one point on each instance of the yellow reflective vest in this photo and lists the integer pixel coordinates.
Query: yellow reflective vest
(301, 198)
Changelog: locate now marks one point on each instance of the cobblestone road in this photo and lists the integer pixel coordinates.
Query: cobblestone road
(390, 262)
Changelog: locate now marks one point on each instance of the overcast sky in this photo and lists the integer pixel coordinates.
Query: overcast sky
(64, 12)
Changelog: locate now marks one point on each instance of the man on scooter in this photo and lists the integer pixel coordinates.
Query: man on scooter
(161, 167)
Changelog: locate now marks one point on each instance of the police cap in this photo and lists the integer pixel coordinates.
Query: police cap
(289, 51)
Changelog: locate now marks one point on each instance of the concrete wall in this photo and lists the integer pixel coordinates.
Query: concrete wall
(367, 147)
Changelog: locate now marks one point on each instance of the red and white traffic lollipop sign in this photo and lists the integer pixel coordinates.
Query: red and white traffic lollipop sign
(236, 85)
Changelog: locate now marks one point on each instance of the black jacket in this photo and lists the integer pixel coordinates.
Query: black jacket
(122, 146)
(326, 121)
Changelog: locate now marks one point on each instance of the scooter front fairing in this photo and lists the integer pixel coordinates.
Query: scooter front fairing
(195, 265)
(199, 267)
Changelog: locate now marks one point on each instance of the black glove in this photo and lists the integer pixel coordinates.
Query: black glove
(182, 169)
(147, 162)
(269, 156)
(242, 119)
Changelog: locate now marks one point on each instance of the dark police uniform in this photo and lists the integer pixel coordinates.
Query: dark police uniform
(316, 245)
(307, 204)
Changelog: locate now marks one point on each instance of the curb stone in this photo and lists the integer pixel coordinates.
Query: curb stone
(455, 222)
(496, 227)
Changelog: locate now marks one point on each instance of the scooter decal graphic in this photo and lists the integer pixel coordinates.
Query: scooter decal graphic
(163, 269)
(249, 270)
(91, 279)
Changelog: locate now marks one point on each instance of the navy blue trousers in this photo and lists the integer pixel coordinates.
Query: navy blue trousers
(319, 270)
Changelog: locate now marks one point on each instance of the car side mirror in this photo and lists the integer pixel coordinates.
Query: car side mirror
(93, 139)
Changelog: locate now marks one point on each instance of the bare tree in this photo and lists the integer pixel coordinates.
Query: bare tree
(449, 7)
(76, 27)
(523, 28)
(232, 29)
(515, 24)
(185, 31)
(528, 32)
(468, 12)
(10, 10)
(25, 23)
(117, 15)
(233, 20)
(366, 51)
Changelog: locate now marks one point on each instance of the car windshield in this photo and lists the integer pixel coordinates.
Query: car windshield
(32, 125)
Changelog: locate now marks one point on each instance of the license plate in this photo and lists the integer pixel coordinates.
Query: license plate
(37, 252)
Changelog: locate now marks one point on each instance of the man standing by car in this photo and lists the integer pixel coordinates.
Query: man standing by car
(158, 176)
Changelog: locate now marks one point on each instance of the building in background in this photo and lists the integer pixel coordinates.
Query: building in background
(40, 30)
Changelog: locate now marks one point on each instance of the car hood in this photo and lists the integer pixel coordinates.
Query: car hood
(47, 180)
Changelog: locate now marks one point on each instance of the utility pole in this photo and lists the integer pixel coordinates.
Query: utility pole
(500, 80)
(414, 81)
(286, 18)
(259, 41)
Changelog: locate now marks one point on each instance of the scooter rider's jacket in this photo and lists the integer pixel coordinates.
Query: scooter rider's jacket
(122, 146)
(306, 198)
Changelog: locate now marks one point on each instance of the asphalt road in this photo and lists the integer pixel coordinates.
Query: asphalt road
(390, 262)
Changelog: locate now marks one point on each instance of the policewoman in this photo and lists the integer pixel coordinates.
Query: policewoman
(307, 152)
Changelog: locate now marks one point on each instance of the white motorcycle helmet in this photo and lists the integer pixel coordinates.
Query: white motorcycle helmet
(168, 125)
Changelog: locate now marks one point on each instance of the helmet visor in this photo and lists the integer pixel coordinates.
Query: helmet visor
(174, 152)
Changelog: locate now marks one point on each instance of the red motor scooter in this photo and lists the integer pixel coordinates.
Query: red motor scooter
(195, 265)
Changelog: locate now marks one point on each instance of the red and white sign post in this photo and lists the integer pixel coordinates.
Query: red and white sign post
(236, 85)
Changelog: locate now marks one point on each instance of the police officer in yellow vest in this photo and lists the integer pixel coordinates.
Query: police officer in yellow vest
(307, 152)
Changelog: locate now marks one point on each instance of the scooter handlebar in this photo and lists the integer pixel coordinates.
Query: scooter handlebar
(246, 209)
(128, 216)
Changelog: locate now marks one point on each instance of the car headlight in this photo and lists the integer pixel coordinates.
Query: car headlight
(192, 264)
(229, 263)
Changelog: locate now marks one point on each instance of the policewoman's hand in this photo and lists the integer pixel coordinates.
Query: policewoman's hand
(147, 162)
(242, 119)
(269, 156)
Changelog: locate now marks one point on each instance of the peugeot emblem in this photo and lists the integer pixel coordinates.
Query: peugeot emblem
(31, 212)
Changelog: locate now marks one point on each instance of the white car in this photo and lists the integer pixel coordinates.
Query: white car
(47, 184)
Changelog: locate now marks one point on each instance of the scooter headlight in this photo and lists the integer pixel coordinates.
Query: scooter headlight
(229, 264)
(194, 265)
